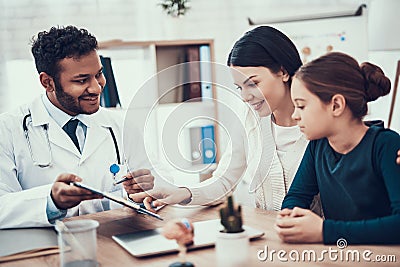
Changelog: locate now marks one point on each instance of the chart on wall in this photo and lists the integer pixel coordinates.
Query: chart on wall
(316, 37)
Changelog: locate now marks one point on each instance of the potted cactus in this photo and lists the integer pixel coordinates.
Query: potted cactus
(231, 217)
(233, 239)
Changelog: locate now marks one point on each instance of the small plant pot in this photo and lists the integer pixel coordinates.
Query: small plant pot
(232, 249)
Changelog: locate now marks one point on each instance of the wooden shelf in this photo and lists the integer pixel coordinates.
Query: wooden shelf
(118, 43)
(157, 56)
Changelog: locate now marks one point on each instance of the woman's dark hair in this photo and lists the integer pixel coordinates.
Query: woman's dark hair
(59, 43)
(267, 47)
(338, 73)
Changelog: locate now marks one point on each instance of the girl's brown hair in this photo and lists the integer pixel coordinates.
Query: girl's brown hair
(338, 73)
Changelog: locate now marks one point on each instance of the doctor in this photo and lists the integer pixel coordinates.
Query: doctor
(63, 136)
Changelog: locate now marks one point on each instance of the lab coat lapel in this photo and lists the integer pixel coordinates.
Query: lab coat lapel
(57, 136)
(96, 134)
(60, 138)
(38, 112)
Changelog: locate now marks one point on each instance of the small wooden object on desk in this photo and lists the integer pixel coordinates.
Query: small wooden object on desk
(182, 231)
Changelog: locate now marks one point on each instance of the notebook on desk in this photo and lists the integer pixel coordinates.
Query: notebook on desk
(26, 243)
(152, 242)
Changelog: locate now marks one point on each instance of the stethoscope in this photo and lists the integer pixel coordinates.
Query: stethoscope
(46, 128)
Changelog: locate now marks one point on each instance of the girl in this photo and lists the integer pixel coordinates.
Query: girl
(263, 62)
(349, 164)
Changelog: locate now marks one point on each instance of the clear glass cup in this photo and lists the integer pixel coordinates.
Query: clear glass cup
(77, 241)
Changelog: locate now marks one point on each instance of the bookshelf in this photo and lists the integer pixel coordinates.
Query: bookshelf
(171, 95)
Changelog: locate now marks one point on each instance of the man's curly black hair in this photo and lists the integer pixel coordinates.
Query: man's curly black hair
(59, 43)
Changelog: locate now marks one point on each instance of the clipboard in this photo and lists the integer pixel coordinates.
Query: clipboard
(120, 200)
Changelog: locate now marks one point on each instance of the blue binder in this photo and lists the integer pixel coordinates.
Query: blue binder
(208, 144)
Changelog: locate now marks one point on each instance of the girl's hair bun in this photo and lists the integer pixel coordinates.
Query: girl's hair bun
(376, 83)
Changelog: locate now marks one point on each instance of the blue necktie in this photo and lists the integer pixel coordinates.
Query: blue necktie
(70, 129)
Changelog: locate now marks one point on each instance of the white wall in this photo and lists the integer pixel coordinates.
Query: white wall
(384, 43)
(224, 21)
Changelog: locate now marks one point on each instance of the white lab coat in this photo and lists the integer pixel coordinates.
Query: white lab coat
(24, 187)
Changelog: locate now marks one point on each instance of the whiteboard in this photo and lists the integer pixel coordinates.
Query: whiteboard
(316, 37)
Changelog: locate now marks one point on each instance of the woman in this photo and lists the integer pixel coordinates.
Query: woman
(349, 164)
(263, 62)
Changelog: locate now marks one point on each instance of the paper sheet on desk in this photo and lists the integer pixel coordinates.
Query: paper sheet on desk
(26, 243)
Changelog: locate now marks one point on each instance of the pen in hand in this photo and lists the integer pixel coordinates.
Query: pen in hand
(122, 180)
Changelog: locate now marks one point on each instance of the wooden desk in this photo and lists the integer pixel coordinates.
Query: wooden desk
(123, 221)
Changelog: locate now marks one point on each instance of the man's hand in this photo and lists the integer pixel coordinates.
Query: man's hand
(66, 196)
(398, 157)
(139, 181)
(299, 226)
(162, 196)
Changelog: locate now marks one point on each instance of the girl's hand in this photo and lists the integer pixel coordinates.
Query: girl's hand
(299, 226)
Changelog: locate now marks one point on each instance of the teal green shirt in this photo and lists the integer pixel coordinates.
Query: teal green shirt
(360, 190)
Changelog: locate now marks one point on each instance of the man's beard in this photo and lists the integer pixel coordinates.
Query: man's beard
(67, 101)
